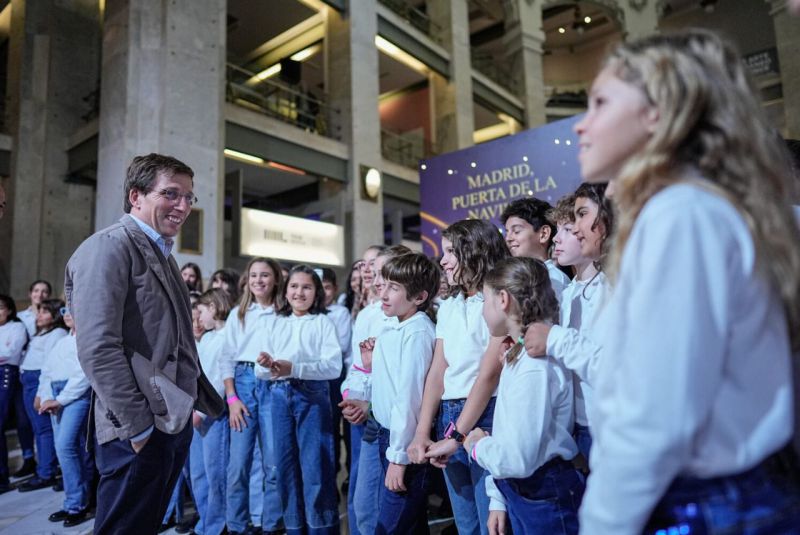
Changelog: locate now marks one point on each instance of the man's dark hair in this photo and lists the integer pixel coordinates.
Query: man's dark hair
(143, 170)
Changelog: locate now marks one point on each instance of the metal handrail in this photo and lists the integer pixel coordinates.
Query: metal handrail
(405, 149)
(418, 19)
(282, 101)
(499, 71)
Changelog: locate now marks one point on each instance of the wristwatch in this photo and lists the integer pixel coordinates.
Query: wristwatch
(452, 432)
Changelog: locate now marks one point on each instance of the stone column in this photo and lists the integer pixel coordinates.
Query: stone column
(524, 40)
(53, 63)
(787, 40)
(352, 84)
(640, 18)
(163, 76)
(452, 113)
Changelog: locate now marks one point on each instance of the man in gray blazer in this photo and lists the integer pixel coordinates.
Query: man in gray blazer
(135, 343)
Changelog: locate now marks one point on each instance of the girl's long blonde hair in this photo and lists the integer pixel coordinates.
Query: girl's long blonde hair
(710, 121)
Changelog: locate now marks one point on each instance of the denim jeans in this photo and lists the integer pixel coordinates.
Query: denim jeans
(546, 502)
(177, 499)
(9, 379)
(761, 501)
(69, 428)
(583, 438)
(42, 427)
(303, 431)
(24, 427)
(465, 480)
(366, 497)
(402, 512)
(254, 393)
(356, 431)
(208, 466)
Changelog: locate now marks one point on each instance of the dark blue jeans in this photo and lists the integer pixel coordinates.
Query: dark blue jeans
(465, 480)
(303, 434)
(761, 501)
(42, 427)
(546, 502)
(9, 380)
(402, 512)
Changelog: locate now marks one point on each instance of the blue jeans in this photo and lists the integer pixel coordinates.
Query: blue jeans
(366, 497)
(546, 502)
(583, 438)
(176, 500)
(355, 440)
(465, 480)
(761, 501)
(42, 427)
(24, 427)
(303, 431)
(9, 380)
(254, 393)
(69, 428)
(402, 512)
(208, 466)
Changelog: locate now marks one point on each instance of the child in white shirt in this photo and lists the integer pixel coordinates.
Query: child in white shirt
(529, 451)
(401, 358)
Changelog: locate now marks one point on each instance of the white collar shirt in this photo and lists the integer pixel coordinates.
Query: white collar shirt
(13, 337)
(61, 364)
(241, 343)
(38, 348)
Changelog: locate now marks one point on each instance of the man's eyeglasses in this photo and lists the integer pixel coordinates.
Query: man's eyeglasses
(64, 311)
(173, 195)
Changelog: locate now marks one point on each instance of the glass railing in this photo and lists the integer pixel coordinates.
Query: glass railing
(498, 71)
(288, 103)
(417, 18)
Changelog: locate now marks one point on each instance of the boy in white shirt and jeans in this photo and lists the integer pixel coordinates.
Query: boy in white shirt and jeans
(402, 356)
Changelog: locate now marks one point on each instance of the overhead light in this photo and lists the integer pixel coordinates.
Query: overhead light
(392, 50)
(370, 183)
(562, 30)
(306, 53)
(236, 155)
(269, 72)
(287, 168)
(587, 20)
(275, 68)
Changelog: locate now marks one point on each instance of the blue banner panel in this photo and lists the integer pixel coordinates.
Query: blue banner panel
(480, 181)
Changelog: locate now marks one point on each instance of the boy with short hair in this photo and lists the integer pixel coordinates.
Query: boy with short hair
(529, 234)
(402, 356)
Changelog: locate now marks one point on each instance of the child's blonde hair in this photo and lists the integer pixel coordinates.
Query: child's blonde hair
(710, 121)
(562, 213)
(527, 282)
(220, 300)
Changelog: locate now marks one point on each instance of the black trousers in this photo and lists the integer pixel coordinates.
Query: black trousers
(135, 489)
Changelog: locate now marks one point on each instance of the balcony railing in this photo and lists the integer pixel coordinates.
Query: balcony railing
(405, 148)
(498, 71)
(418, 19)
(288, 103)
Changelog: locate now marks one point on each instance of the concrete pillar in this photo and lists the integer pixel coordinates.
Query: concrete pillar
(452, 111)
(163, 76)
(352, 84)
(787, 40)
(53, 63)
(640, 18)
(524, 40)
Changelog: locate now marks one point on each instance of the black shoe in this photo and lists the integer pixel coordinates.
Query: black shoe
(58, 486)
(185, 526)
(28, 469)
(168, 525)
(58, 516)
(36, 483)
(74, 519)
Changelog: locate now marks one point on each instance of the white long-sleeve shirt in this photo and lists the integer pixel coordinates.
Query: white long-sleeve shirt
(61, 364)
(209, 349)
(696, 376)
(38, 348)
(242, 343)
(341, 319)
(574, 341)
(370, 323)
(465, 336)
(533, 419)
(558, 279)
(28, 318)
(400, 362)
(309, 342)
(13, 337)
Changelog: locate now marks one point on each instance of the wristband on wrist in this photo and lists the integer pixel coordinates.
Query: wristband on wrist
(452, 432)
(232, 399)
(362, 370)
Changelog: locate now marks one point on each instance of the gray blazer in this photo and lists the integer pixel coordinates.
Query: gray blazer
(134, 334)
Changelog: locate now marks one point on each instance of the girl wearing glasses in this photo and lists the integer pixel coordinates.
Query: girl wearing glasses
(64, 395)
(50, 329)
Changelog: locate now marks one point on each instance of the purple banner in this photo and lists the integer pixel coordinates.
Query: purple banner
(480, 181)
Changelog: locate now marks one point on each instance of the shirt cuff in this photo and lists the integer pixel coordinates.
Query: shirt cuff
(496, 505)
(143, 435)
(552, 339)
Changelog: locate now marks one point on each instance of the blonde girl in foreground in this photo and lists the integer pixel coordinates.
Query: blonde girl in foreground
(694, 389)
